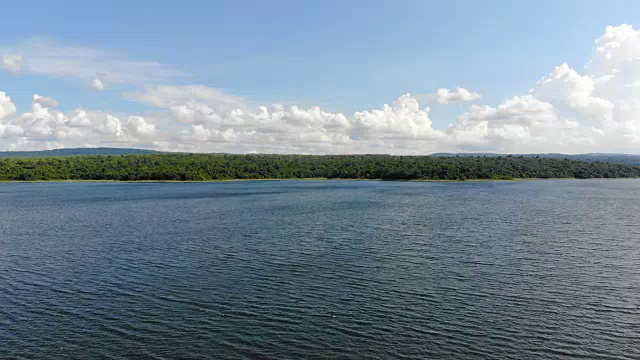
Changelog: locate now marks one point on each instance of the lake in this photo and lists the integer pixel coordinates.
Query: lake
(320, 269)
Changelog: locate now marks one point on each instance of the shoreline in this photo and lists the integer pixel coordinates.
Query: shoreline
(305, 179)
(225, 168)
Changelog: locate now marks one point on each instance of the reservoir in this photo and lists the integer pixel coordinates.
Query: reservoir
(545, 269)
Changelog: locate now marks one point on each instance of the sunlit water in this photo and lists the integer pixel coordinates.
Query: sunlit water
(320, 269)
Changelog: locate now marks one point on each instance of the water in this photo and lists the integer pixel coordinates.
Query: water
(320, 269)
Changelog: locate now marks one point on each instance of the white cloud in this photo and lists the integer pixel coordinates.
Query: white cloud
(138, 127)
(520, 124)
(44, 101)
(565, 87)
(452, 96)
(97, 84)
(12, 62)
(167, 96)
(45, 124)
(615, 50)
(403, 120)
(43, 56)
(566, 111)
(7, 107)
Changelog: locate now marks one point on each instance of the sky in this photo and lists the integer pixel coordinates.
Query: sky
(322, 77)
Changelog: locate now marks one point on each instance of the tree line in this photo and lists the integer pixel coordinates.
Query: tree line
(202, 167)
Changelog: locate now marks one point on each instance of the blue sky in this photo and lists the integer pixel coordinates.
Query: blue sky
(343, 56)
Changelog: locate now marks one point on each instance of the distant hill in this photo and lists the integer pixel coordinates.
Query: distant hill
(624, 159)
(77, 152)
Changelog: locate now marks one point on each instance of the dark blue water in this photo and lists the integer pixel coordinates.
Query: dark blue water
(320, 269)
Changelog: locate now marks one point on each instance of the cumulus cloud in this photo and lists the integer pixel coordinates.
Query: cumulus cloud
(569, 111)
(97, 84)
(565, 87)
(12, 62)
(615, 50)
(196, 120)
(596, 109)
(520, 124)
(217, 122)
(7, 108)
(45, 124)
(140, 128)
(402, 120)
(43, 56)
(452, 96)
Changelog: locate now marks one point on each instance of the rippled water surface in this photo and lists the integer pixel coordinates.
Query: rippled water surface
(320, 269)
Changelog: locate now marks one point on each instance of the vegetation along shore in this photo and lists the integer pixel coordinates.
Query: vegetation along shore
(203, 167)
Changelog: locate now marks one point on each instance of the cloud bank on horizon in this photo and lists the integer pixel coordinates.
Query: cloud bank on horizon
(565, 111)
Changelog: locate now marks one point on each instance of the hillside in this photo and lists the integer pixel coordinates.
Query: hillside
(76, 152)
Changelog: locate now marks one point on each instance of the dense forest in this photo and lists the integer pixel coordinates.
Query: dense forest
(625, 159)
(183, 167)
